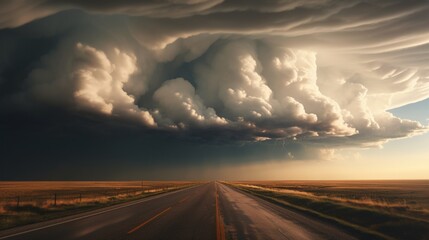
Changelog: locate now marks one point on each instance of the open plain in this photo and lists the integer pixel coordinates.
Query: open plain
(228, 210)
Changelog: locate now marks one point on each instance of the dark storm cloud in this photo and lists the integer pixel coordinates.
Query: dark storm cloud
(208, 76)
(54, 144)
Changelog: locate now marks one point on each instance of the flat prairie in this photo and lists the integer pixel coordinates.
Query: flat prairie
(411, 193)
(388, 209)
(36, 188)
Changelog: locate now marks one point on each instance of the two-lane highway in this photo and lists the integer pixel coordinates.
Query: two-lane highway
(208, 211)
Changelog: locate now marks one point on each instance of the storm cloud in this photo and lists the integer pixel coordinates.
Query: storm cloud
(318, 73)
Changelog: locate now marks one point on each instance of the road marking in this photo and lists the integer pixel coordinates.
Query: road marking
(149, 220)
(220, 232)
(156, 216)
(184, 199)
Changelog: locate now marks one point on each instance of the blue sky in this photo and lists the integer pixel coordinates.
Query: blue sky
(418, 111)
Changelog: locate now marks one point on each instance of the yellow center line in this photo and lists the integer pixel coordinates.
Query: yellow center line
(184, 199)
(149, 220)
(220, 232)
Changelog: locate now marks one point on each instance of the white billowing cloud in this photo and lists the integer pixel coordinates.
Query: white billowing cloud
(316, 71)
(91, 80)
(247, 89)
(274, 89)
(293, 74)
(94, 81)
(176, 100)
(233, 78)
(390, 127)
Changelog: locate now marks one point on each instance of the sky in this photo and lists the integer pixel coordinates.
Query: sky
(212, 89)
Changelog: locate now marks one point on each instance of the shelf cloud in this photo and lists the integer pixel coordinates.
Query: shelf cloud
(318, 73)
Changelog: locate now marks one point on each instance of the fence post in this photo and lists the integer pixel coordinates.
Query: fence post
(17, 202)
(55, 199)
(80, 197)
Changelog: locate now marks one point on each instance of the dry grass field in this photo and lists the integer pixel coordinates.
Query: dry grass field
(29, 202)
(387, 209)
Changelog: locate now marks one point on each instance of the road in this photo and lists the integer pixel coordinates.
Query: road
(208, 211)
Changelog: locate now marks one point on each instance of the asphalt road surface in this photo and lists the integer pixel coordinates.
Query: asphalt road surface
(208, 211)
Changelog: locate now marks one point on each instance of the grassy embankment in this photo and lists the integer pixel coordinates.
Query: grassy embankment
(23, 203)
(369, 210)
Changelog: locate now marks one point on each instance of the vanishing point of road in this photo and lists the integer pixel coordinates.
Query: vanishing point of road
(208, 211)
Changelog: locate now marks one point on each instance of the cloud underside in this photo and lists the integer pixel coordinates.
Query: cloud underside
(321, 72)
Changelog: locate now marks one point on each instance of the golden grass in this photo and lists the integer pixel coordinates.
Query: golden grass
(406, 197)
(44, 194)
(8, 189)
(363, 201)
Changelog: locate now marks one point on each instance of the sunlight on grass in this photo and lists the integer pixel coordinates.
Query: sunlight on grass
(383, 209)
